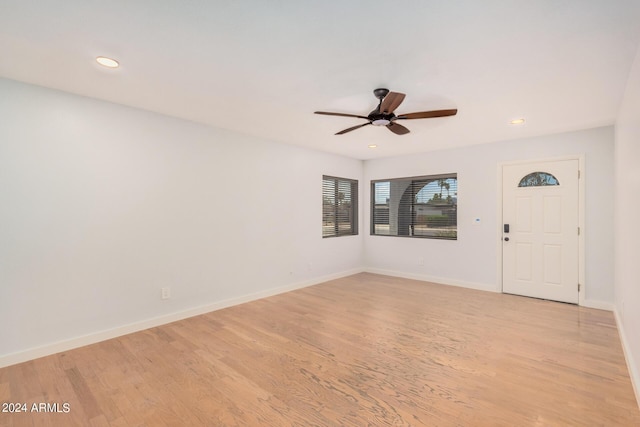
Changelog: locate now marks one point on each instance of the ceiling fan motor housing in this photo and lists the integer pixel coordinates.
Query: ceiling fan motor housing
(378, 119)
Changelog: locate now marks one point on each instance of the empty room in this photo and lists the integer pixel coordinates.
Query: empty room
(203, 220)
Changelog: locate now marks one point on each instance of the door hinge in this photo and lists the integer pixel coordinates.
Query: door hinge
(578, 287)
(578, 231)
(578, 173)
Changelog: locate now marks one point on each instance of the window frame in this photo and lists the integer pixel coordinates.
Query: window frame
(412, 219)
(352, 210)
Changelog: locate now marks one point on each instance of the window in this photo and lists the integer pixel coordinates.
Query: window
(538, 179)
(424, 206)
(339, 206)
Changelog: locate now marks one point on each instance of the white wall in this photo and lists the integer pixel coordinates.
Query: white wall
(472, 259)
(102, 205)
(627, 227)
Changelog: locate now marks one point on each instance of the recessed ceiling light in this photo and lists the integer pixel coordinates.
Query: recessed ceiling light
(517, 121)
(373, 146)
(107, 62)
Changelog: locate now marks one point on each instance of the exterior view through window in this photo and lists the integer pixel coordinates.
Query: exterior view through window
(339, 206)
(538, 179)
(423, 206)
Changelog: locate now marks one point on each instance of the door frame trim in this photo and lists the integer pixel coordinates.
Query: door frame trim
(581, 221)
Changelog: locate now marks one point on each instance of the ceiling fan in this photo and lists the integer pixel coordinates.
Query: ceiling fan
(384, 115)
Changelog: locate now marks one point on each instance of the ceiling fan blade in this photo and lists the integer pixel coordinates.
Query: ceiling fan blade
(391, 102)
(397, 129)
(428, 114)
(340, 114)
(352, 128)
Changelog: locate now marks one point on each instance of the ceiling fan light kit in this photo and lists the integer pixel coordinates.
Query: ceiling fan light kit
(380, 122)
(384, 114)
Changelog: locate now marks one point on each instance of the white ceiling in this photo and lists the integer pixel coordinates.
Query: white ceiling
(261, 67)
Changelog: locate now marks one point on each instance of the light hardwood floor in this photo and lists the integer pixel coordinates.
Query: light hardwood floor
(363, 350)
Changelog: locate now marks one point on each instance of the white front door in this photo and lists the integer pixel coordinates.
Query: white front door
(540, 230)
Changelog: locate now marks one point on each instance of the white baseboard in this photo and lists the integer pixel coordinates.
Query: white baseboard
(433, 279)
(60, 346)
(634, 374)
(600, 305)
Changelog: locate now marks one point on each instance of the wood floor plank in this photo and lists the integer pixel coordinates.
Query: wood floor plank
(362, 350)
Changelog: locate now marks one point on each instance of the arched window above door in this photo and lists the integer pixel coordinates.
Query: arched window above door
(538, 179)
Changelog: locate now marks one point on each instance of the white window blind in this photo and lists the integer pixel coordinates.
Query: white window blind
(339, 206)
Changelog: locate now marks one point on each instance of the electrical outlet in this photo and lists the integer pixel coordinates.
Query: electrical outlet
(166, 292)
